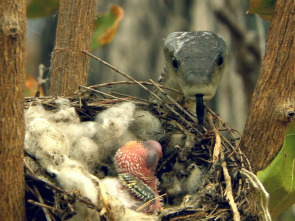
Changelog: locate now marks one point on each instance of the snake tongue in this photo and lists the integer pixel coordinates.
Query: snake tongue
(200, 109)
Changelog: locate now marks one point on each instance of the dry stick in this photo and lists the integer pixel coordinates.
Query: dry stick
(132, 82)
(227, 178)
(228, 189)
(39, 197)
(84, 200)
(103, 93)
(109, 95)
(217, 148)
(223, 123)
(42, 205)
(193, 118)
(137, 82)
(132, 97)
(264, 196)
(234, 149)
(106, 203)
(122, 73)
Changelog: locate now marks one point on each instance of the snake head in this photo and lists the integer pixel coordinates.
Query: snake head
(196, 61)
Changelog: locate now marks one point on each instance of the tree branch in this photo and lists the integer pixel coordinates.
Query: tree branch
(74, 32)
(272, 104)
(13, 24)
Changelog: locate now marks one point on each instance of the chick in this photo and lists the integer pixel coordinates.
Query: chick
(136, 164)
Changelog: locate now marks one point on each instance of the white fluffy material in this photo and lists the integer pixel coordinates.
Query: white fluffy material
(50, 136)
(74, 150)
(73, 178)
(112, 129)
(44, 141)
(194, 180)
(116, 119)
(145, 126)
(122, 123)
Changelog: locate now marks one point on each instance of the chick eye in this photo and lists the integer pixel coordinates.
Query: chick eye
(220, 60)
(174, 63)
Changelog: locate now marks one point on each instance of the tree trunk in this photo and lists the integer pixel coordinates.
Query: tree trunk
(13, 26)
(272, 104)
(74, 32)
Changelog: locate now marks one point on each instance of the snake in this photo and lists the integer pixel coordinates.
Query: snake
(195, 63)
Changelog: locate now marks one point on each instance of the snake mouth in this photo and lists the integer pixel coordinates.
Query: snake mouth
(200, 109)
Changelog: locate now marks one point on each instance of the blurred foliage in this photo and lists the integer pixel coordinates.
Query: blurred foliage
(264, 8)
(105, 29)
(41, 8)
(106, 26)
(32, 86)
(278, 177)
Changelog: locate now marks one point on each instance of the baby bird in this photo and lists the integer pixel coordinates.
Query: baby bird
(136, 164)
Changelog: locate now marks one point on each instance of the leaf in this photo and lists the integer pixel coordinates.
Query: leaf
(106, 27)
(278, 177)
(264, 8)
(41, 8)
(32, 86)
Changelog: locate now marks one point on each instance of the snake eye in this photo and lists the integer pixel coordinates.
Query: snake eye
(220, 60)
(174, 63)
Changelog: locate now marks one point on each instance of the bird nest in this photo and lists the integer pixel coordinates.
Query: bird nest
(203, 175)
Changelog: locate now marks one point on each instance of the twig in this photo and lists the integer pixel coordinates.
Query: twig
(42, 205)
(103, 93)
(264, 196)
(84, 200)
(132, 82)
(217, 148)
(106, 203)
(132, 97)
(193, 118)
(45, 209)
(228, 190)
(141, 85)
(234, 148)
(122, 73)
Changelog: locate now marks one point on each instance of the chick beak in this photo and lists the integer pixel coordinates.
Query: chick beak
(200, 109)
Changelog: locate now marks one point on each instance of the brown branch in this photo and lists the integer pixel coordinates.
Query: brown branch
(109, 84)
(74, 32)
(13, 24)
(272, 104)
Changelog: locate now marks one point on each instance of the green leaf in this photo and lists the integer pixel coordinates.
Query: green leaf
(278, 177)
(41, 8)
(106, 26)
(264, 8)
